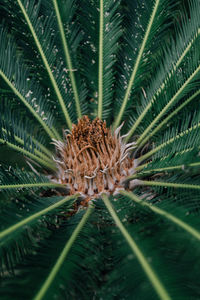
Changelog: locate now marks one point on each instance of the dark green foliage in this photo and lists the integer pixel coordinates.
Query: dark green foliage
(141, 66)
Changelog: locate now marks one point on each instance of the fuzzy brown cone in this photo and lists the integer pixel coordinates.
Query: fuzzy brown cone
(92, 160)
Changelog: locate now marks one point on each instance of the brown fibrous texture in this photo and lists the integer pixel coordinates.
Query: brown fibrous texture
(92, 160)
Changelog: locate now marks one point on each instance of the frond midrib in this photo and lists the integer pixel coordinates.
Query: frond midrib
(186, 102)
(36, 151)
(68, 59)
(21, 97)
(162, 87)
(159, 147)
(100, 73)
(167, 106)
(46, 64)
(27, 153)
(136, 65)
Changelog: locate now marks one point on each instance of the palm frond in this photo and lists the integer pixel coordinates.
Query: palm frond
(175, 141)
(44, 288)
(102, 51)
(175, 56)
(183, 161)
(16, 76)
(187, 86)
(165, 256)
(8, 138)
(156, 283)
(43, 38)
(67, 54)
(23, 131)
(150, 16)
(167, 215)
(49, 253)
(29, 11)
(18, 229)
(170, 116)
(170, 184)
(15, 178)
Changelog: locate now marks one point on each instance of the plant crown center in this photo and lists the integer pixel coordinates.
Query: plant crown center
(92, 160)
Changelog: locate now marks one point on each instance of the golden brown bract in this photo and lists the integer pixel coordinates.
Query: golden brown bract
(92, 160)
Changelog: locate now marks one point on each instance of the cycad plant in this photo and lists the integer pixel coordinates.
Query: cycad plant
(99, 134)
